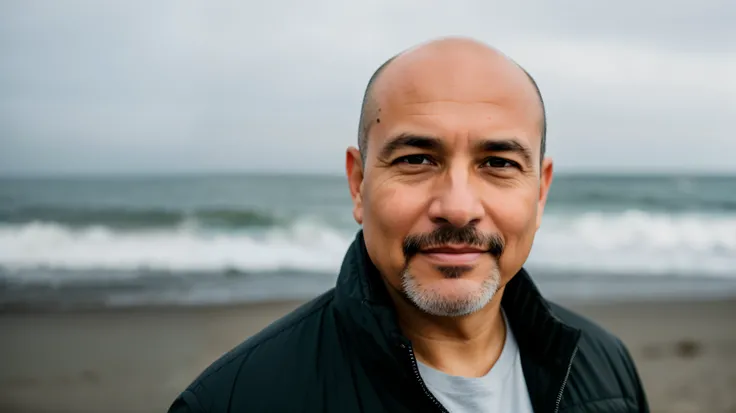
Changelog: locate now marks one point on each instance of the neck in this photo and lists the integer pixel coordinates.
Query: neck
(465, 346)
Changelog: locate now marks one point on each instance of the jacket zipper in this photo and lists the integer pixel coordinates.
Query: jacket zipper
(429, 394)
(564, 382)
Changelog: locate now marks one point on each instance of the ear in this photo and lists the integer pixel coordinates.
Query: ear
(545, 181)
(354, 171)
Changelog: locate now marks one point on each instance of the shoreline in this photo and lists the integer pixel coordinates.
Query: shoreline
(138, 359)
(584, 303)
(211, 290)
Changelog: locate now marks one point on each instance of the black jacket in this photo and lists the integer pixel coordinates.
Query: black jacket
(343, 352)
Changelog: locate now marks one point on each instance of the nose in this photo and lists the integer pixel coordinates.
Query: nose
(457, 201)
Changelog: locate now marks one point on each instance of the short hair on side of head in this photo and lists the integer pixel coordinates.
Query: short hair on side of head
(543, 126)
(369, 107)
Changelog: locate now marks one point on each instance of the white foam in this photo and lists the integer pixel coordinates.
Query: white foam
(304, 246)
(632, 242)
(638, 242)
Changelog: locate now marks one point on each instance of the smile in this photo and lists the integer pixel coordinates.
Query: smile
(453, 255)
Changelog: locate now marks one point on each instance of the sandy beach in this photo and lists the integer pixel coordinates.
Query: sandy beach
(137, 360)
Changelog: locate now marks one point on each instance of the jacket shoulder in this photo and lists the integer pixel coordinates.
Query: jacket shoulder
(591, 330)
(262, 364)
(603, 370)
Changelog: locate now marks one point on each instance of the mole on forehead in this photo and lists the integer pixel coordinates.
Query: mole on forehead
(404, 84)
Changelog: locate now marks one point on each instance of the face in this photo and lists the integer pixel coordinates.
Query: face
(453, 188)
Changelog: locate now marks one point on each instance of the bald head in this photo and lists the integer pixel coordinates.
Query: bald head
(442, 50)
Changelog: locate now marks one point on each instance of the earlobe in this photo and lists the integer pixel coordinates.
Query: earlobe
(358, 211)
(354, 172)
(545, 181)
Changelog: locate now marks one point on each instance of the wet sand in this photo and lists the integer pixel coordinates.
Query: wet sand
(137, 360)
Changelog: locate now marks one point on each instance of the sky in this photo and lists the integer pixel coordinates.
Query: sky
(223, 85)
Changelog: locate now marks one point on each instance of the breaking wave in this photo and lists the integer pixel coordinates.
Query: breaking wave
(632, 242)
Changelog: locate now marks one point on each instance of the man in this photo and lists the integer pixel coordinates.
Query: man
(432, 311)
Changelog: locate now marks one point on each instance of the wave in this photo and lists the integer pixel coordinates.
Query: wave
(129, 218)
(631, 242)
(638, 242)
(303, 245)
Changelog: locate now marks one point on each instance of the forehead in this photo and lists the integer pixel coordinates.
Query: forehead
(457, 93)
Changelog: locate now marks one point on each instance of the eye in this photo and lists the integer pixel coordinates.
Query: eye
(413, 160)
(500, 163)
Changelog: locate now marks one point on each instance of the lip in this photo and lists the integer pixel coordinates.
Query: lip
(453, 255)
(453, 249)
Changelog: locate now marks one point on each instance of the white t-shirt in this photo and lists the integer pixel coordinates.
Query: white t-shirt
(502, 389)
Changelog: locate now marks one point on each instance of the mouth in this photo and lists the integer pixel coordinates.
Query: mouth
(453, 255)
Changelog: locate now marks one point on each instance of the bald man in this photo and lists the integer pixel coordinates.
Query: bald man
(433, 310)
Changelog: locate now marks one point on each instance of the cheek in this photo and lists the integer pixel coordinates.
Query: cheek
(515, 215)
(515, 218)
(390, 214)
(395, 210)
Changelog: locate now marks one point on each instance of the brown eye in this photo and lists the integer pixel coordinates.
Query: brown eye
(413, 160)
(500, 163)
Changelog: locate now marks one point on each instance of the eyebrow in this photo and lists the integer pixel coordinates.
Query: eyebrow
(432, 143)
(506, 145)
(413, 141)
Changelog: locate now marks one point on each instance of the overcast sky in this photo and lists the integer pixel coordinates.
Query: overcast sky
(167, 86)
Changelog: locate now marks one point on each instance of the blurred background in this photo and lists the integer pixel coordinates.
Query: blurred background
(171, 180)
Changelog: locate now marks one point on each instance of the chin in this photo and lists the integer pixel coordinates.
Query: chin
(450, 296)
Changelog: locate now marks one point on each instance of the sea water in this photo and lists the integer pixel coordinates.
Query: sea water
(190, 239)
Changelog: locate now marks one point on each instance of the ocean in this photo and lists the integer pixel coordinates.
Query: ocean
(126, 241)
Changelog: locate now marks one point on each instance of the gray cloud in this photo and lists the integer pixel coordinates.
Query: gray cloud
(184, 85)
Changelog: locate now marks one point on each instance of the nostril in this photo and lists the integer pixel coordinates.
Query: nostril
(440, 220)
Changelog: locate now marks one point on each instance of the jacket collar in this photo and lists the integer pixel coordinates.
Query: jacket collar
(536, 328)
(546, 343)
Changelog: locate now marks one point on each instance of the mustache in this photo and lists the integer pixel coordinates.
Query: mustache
(468, 235)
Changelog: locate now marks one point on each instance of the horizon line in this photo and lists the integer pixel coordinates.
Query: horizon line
(254, 172)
